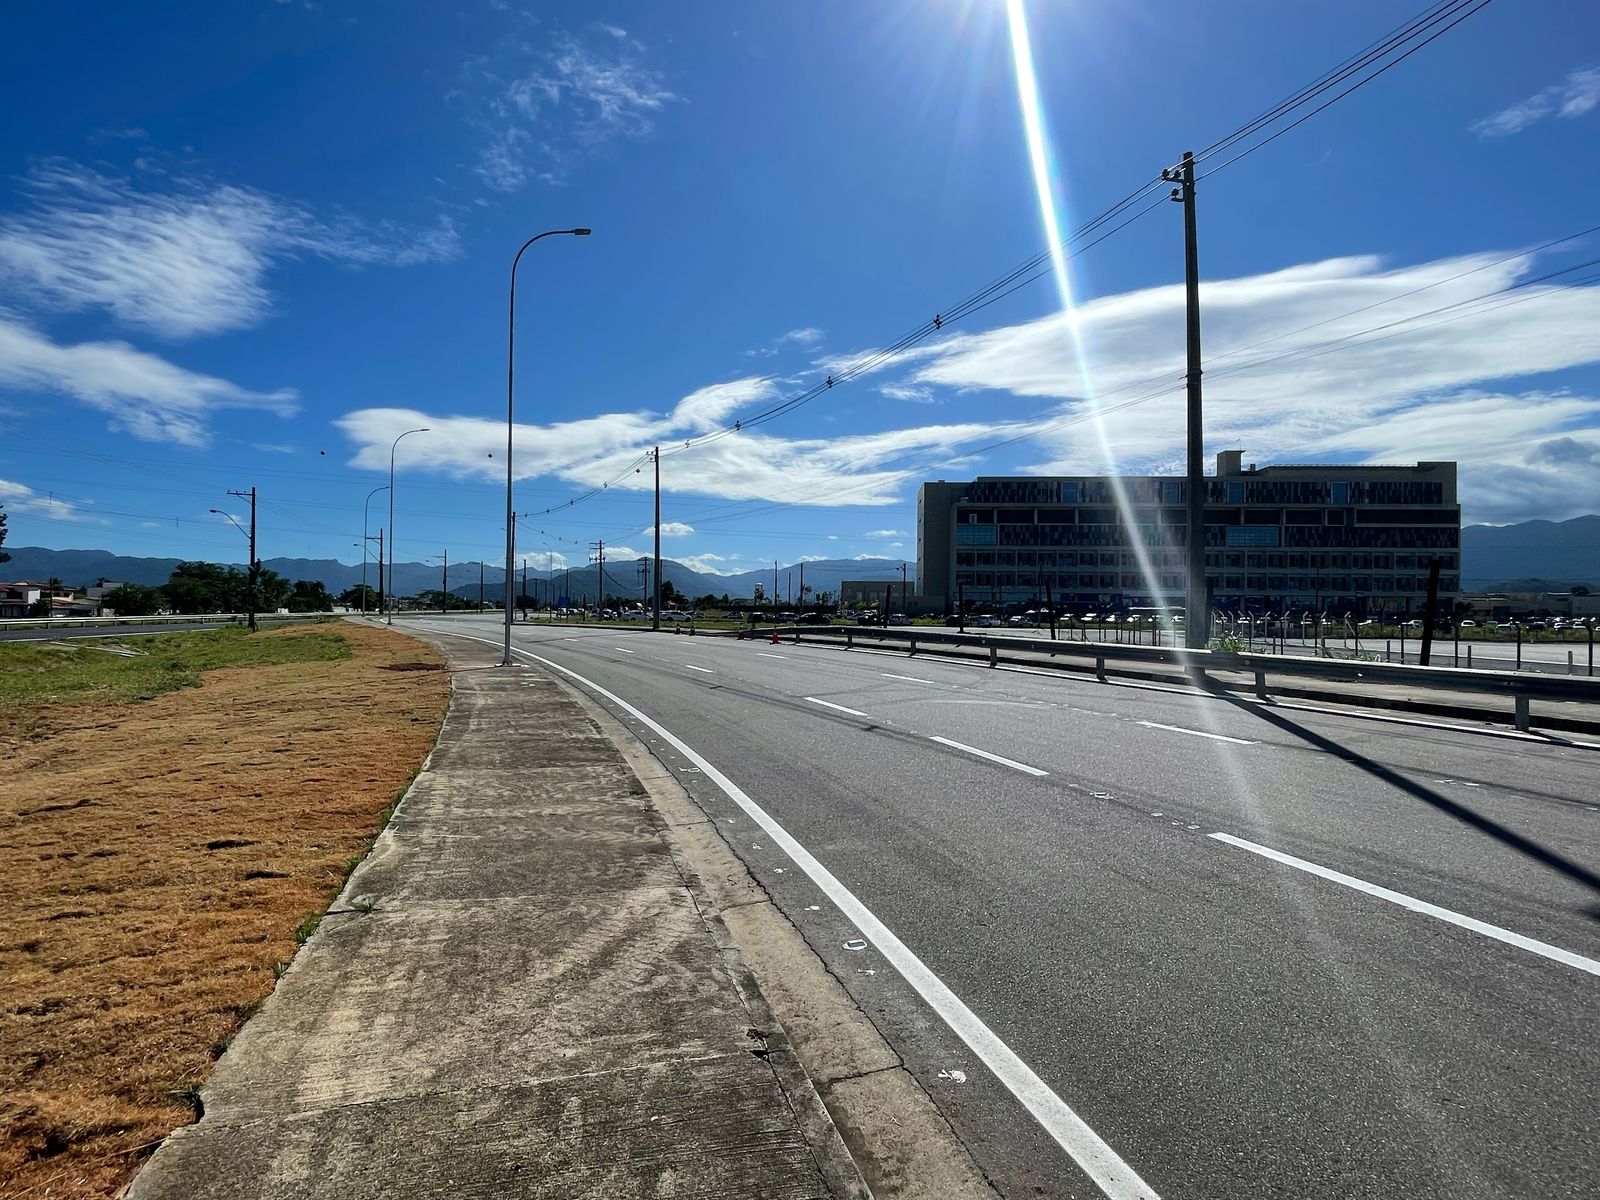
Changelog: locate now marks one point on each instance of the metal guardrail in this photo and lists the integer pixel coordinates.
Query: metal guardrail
(1109, 657)
(111, 622)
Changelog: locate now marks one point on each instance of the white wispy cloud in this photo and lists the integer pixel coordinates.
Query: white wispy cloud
(541, 109)
(669, 529)
(143, 394)
(703, 564)
(1574, 96)
(908, 392)
(806, 336)
(175, 256)
(1293, 372)
(19, 499)
(812, 558)
(885, 533)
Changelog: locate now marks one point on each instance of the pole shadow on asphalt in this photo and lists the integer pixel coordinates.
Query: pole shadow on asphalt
(1525, 846)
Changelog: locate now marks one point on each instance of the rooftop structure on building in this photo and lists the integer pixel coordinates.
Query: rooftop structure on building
(1316, 536)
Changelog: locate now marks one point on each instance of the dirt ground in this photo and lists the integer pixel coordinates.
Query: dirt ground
(155, 861)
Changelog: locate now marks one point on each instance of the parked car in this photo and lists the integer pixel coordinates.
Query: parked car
(898, 619)
(1469, 625)
(953, 621)
(1022, 622)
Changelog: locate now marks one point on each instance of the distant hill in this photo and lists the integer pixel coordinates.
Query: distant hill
(1556, 553)
(80, 568)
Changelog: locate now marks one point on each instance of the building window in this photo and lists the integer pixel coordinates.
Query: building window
(1253, 535)
(1341, 493)
(1236, 493)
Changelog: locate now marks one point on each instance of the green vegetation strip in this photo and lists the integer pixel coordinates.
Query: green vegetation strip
(90, 670)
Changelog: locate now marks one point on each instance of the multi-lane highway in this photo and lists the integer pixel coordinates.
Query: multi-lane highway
(55, 633)
(1137, 941)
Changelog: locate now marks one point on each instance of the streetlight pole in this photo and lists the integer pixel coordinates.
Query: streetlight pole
(392, 449)
(366, 549)
(511, 376)
(250, 536)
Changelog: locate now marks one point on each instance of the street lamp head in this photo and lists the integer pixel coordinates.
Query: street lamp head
(219, 512)
(583, 232)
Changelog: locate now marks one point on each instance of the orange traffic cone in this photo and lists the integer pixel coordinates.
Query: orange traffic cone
(774, 637)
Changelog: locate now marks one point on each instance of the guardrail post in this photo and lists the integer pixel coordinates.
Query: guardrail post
(1522, 714)
(1100, 667)
(849, 639)
(994, 655)
(913, 645)
(1261, 685)
(1469, 656)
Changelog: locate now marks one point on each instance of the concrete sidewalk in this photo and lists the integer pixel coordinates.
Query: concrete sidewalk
(519, 993)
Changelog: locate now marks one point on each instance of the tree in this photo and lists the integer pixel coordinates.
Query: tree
(132, 600)
(760, 595)
(309, 595)
(671, 597)
(360, 596)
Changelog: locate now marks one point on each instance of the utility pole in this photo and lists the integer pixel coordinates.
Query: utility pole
(655, 620)
(524, 604)
(378, 537)
(253, 574)
(1195, 591)
(599, 549)
(774, 585)
(444, 585)
(802, 585)
(379, 540)
(480, 585)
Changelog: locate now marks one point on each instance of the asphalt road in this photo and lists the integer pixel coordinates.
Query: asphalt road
(1253, 950)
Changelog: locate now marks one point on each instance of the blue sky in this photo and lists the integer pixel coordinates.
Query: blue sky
(249, 244)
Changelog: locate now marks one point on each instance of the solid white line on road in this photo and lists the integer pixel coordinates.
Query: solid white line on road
(620, 650)
(911, 679)
(702, 670)
(1420, 906)
(764, 654)
(1219, 737)
(1005, 762)
(854, 712)
(1099, 1161)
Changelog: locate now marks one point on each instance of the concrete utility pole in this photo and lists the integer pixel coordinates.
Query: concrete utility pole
(599, 549)
(480, 585)
(444, 585)
(655, 620)
(377, 537)
(365, 539)
(379, 540)
(524, 603)
(253, 573)
(1195, 599)
(1429, 615)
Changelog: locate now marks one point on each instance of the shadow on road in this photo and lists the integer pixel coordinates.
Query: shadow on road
(1525, 846)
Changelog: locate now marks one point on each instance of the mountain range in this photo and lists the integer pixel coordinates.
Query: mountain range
(82, 567)
(1533, 555)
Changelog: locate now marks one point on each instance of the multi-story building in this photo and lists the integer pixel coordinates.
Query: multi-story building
(1324, 538)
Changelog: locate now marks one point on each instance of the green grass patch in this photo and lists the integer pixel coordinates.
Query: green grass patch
(84, 671)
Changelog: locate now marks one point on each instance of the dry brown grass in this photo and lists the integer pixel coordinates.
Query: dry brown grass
(155, 859)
